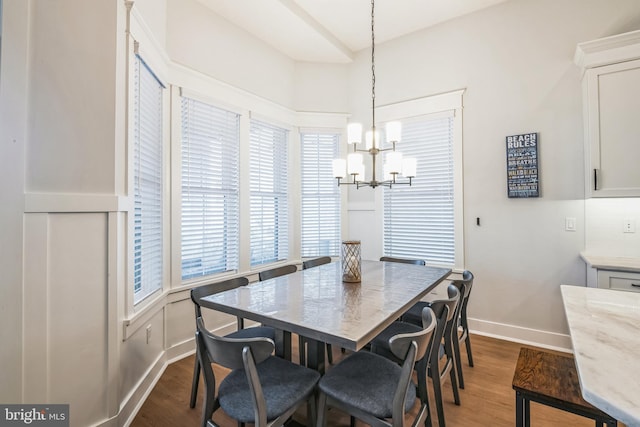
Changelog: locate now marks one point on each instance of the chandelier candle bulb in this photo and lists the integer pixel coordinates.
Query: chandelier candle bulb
(354, 160)
(409, 166)
(372, 139)
(354, 133)
(394, 160)
(394, 131)
(339, 167)
(386, 172)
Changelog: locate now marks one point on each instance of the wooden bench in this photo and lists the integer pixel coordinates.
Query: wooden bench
(551, 379)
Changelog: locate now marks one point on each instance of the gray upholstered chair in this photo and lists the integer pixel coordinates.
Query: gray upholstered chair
(260, 389)
(200, 292)
(375, 389)
(316, 262)
(461, 325)
(403, 260)
(442, 356)
(277, 272)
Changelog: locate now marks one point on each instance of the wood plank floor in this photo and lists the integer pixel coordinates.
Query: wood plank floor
(487, 400)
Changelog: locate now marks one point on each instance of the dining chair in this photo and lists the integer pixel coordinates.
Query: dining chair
(442, 356)
(277, 272)
(261, 389)
(316, 262)
(200, 292)
(403, 260)
(374, 389)
(461, 325)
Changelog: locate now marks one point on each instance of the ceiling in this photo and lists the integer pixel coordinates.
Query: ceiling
(333, 30)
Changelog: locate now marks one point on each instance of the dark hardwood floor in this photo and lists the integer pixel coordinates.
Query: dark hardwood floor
(487, 400)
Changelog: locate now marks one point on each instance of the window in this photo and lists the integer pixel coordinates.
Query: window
(320, 195)
(269, 187)
(419, 221)
(147, 182)
(210, 205)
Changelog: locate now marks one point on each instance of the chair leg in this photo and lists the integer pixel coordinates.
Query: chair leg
(454, 386)
(322, 410)
(437, 394)
(467, 343)
(194, 384)
(458, 359)
(329, 354)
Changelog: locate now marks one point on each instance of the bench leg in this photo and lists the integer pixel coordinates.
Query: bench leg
(523, 418)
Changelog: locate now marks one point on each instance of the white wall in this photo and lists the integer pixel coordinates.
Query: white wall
(604, 233)
(516, 62)
(202, 40)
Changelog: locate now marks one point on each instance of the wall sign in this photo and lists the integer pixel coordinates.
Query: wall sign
(522, 165)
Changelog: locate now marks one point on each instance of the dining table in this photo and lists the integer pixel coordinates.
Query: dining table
(318, 305)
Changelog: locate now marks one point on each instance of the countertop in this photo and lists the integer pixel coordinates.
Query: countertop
(604, 332)
(617, 263)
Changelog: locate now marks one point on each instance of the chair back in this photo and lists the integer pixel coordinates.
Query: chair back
(403, 260)
(316, 262)
(444, 311)
(399, 344)
(410, 348)
(200, 292)
(464, 286)
(277, 272)
(228, 352)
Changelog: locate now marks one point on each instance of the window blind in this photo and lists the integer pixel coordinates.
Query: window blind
(269, 201)
(210, 189)
(419, 220)
(320, 233)
(147, 186)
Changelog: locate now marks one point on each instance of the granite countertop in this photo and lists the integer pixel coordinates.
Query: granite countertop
(603, 326)
(617, 263)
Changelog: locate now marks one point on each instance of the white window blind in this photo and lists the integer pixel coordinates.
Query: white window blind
(269, 203)
(210, 188)
(419, 220)
(147, 187)
(320, 195)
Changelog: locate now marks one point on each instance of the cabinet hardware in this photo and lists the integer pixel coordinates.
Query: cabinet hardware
(595, 180)
(635, 285)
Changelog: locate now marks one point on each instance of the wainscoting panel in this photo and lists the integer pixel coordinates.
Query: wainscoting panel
(65, 316)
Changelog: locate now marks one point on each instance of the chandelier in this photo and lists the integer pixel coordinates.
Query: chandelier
(395, 165)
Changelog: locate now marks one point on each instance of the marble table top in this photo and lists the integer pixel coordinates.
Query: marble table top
(604, 332)
(316, 303)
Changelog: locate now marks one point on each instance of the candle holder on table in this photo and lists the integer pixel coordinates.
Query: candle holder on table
(351, 266)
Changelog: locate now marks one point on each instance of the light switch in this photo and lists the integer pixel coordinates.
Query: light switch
(570, 224)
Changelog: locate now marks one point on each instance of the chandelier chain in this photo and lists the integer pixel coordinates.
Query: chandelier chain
(373, 70)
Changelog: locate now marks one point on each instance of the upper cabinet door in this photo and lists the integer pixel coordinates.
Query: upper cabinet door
(613, 129)
(611, 96)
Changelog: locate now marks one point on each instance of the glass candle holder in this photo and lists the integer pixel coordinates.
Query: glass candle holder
(351, 265)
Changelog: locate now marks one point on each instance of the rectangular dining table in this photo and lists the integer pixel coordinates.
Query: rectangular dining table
(317, 304)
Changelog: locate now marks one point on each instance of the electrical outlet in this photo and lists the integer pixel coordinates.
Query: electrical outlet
(148, 334)
(570, 224)
(629, 226)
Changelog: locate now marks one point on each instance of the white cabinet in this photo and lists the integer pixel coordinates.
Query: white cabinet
(611, 96)
(619, 280)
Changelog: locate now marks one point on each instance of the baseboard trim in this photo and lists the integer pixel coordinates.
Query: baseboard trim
(519, 334)
(134, 401)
